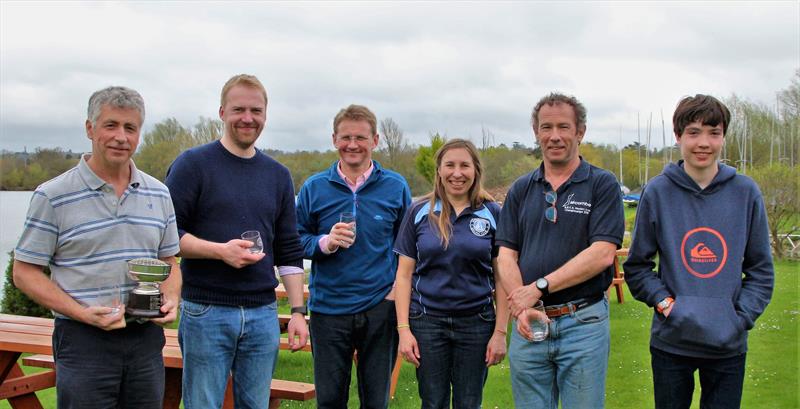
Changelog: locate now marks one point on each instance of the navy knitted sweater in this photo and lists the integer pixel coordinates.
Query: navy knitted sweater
(217, 197)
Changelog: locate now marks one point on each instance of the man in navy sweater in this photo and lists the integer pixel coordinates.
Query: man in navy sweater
(708, 227)
(352, 303)
(229, 322)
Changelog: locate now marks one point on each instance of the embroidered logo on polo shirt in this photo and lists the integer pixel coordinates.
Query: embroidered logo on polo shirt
(704, 252)
(478, 226)
(572, 205)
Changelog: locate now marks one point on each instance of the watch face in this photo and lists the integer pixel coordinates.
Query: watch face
(541, 284)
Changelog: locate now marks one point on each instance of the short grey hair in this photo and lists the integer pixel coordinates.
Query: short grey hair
(555, 98)
(116, 96)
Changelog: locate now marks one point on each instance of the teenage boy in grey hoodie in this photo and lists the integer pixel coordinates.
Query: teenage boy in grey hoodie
(708, 227)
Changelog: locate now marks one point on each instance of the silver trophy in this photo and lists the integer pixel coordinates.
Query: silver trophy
(145, 300)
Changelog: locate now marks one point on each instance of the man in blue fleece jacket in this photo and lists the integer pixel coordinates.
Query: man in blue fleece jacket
(351, 300)
(708, 227)
(229, 320)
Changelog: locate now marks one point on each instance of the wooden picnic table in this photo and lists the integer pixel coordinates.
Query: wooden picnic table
(19, 334)
(619, 275)
(280, 292)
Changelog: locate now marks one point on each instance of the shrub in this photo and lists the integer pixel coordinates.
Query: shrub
(15, 302)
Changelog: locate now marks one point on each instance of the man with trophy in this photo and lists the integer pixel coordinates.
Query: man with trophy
(87, 224)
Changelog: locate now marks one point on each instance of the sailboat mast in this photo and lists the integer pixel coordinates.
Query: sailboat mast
(647, 152)
(639, 146)
(621, 182)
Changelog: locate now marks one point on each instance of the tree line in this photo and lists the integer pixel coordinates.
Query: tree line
(762, 141)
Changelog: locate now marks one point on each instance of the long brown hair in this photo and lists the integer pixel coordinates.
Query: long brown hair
(477, 195)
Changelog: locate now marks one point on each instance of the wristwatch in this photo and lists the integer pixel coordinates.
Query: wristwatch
(664, 304)
(301, 310)
(543, 285)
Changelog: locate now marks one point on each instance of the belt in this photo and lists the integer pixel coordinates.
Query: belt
(555, 311)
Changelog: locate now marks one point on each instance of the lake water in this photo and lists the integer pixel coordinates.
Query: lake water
(13, 207)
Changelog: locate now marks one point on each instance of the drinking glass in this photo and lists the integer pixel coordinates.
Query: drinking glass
(349, 218)
(253, 236)
(539, 327)
(115, 300)
(110, 297)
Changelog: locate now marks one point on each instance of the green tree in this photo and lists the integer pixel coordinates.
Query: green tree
(425, 162)
(503, 165)
(34, 175)
(161, 146)
(779, 187)
(15, 301)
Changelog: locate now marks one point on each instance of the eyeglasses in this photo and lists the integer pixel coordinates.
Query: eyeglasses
(347, 139)
(551, 214)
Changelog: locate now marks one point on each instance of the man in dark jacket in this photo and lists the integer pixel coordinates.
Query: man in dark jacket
(708, 227)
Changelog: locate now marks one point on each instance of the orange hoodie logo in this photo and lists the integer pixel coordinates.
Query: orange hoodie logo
(700, 253)
(707, 252)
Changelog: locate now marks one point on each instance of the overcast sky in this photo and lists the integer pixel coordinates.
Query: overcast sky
(451, 67)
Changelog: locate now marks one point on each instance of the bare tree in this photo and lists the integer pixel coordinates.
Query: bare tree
(207, 130)
(487, 138)
(392, 140)
(790, 97)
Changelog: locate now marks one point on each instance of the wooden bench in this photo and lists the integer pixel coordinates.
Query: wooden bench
(280, 389)
(283, 320)
(19, 334)
(619, 276)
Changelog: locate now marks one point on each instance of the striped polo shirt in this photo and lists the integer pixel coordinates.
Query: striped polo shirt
(78, 226)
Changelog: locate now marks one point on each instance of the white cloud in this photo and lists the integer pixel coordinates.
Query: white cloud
(450, 67)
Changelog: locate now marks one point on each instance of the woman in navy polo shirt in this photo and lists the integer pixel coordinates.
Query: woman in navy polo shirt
(445, 281)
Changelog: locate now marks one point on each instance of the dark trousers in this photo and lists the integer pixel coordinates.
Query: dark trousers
(720, 380)
(452, 354)
(334, 338)
(101, 369)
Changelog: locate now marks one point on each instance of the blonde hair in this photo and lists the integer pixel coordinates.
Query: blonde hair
(477, 196)
(242, 79)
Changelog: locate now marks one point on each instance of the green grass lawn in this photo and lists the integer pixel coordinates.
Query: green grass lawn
(771, 380)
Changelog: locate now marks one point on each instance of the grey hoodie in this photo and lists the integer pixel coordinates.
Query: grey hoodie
(713, 258)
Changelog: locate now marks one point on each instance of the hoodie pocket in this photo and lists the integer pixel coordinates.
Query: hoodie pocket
(706, 322)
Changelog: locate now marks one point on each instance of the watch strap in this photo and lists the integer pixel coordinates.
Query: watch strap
(546, 289)
(301, 310)
(664, 304)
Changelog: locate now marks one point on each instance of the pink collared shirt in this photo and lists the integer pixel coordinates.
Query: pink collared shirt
(359, 180)
(323, 241)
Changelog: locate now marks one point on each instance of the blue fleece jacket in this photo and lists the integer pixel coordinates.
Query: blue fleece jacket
(355, 279)
(713, 258)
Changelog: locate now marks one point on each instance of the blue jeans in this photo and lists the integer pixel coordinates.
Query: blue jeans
(218, 340)
(570, 364)
(334, 338)
(720, 380)
(452, 353)
(102, 369)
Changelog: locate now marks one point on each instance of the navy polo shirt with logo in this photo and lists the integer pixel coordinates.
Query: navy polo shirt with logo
(589, 209)
(454, 281)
